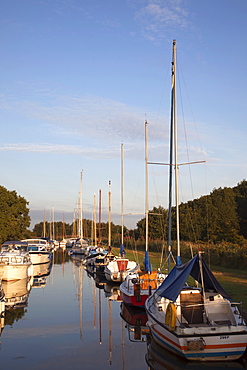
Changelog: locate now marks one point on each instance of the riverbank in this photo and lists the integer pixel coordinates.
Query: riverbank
(234, 281)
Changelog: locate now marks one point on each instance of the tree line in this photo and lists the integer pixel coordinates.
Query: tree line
(220, 217)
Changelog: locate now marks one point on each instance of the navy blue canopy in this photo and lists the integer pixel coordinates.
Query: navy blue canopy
(176, 279)
(147, 264)
(122, 250)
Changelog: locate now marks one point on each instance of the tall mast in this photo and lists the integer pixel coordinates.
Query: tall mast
(94, 220)
(176, 147)
(146, 260)
(109, 213)
(146, 181)
(122, 189)
(53, 225)
(81, 228)
(44, 225)
(100, 209)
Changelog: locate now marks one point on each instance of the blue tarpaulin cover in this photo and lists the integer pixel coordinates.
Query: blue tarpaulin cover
(122, 251)
(147, 264)
(176, 279)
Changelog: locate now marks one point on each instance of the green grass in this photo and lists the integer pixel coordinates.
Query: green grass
(233, 281)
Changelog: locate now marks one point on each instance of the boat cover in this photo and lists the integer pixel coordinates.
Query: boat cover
(147, 264)
(122, 250)
(176, 279)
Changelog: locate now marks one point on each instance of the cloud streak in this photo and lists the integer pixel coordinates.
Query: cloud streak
(159, 16)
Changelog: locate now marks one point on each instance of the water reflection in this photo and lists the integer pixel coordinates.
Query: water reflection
(77, 321)
(159, 359)
(40, 273)
(16, 292)
(135, 319)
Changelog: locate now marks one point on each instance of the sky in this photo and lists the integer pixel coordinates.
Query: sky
(78, 80)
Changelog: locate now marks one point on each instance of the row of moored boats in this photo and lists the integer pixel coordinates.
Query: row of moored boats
(197, 321)
(19, 261)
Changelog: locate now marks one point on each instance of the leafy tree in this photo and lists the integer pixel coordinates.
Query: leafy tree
(241, 199)
(223, 218)
(14, 216)
(157, 224)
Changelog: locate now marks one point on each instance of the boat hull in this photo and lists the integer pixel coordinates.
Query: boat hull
(134, 300)
(210, 343)
(40, 257)
(117, 270)
(14, 272)
(137, 287)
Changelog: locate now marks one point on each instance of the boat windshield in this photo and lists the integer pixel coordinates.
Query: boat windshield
(33, 248)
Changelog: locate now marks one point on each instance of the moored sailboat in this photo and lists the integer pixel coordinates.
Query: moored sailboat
(201, 323)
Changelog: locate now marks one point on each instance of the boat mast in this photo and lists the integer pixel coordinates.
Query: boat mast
(122, 192)
(173, 149)
(176, 148)
(147, 260)
(109, 213)
(81, 230)
(146, 180)
(100, 209)
(44, 225)
(94, 221)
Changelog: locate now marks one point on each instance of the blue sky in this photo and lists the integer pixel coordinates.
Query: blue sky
(79, 78)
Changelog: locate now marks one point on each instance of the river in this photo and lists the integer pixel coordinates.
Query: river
(65, 319)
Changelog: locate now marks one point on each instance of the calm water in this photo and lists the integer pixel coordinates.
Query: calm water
(67, 320)
(67, 323)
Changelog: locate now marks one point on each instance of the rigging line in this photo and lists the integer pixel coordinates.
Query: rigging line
(180, 164)
(185, 133)
(192, 113)
(158, 116)
(186, 140)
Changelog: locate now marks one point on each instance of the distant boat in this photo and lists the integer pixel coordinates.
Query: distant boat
(79, 246)
(15, 262)
(70, 242)
(197, 323)
(39, 251)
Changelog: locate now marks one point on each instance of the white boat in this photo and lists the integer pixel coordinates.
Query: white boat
(39, 251)
(118, 269)
(15, 262)
(198, 324)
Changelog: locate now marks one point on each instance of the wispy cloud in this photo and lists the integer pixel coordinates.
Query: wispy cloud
(62, 149)
(157, 17)
(91, 117)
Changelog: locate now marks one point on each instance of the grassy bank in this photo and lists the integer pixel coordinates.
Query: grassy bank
(234, 281)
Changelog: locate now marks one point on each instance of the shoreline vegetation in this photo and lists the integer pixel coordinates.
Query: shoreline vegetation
(233, 279)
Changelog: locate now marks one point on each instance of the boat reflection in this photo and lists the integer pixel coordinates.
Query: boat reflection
(16, 292)
(40, 273)
(158, 358)
(135, 319)
(77, 259)
(2, 308)
(112, 292)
